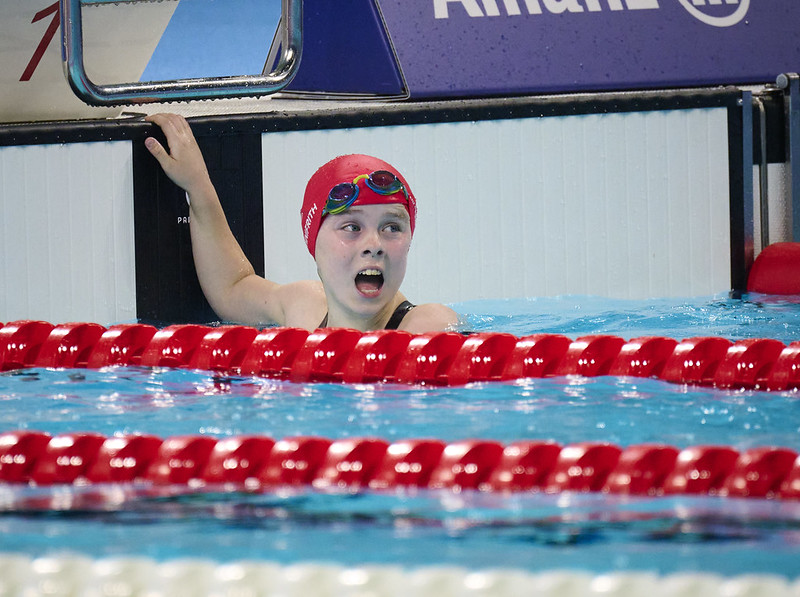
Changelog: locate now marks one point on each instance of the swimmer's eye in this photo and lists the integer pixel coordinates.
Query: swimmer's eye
(393, 227)
(351, 228)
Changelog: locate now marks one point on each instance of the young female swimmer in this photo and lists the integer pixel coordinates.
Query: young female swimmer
(358, 218)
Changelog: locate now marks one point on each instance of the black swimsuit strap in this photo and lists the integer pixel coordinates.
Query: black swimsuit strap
(401, 311)
(394, 321)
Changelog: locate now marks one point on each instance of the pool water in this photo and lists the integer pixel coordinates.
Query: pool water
(533, 532)
(751, 316)
(623, 411)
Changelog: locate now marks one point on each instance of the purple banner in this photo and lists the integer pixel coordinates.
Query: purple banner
(457, 48)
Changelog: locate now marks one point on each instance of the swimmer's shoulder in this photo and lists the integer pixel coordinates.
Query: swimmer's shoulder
(303, 303)
(429, 317)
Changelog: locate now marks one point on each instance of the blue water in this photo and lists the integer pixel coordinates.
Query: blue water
(752, 316)
(535, 532)
(169, 402)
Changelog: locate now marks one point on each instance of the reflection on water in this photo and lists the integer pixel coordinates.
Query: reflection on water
(529, 531)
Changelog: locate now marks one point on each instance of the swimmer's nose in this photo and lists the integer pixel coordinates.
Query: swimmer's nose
(373, 244)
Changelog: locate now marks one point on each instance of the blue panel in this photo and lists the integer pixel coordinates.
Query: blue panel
(461, 48)
(215, 38)
(346, 50)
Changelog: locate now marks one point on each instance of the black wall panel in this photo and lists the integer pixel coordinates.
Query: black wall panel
(167, 290)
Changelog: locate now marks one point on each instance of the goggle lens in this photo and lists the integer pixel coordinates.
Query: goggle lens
(344, 194)
(383, 181)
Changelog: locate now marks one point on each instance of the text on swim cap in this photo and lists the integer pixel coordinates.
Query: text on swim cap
(307, 223)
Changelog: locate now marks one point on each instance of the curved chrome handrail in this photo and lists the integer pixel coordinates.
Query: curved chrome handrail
(184, 89)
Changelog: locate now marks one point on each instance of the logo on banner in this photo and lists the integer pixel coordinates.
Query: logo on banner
(715, 13)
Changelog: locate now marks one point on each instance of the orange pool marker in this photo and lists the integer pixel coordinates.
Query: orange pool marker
(537, 355)
(641, 469)
(223, 349)
(790, 486)
(123, 459)
(776, 270)
(759, 472)
(408, 463)
(700, 470)
(482, 357)
(523, 466)
(273, 351)
(66, 458)
(590, 356)
(174, 345)
(323, 355)
(121, 345)
(695, 360)
(428, 358)
(785, 373)
(748, 363)
(19, 452)
(180, 459)
(643, 357)
(69, 345)
(466, 464)
(350, 462)
(20, 342)
(583, 467)
(376, 356)
(237, 459)
(294, 460)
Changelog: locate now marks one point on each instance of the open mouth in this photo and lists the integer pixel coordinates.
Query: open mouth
(369, 281)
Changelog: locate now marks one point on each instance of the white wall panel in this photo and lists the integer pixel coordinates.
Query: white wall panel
(66, 216)
(627, 205)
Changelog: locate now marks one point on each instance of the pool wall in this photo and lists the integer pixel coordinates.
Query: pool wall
(622, 195)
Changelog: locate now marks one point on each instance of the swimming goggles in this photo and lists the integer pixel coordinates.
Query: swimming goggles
(344, 194)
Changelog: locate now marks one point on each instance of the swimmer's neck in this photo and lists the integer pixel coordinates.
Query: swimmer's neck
(339, 317)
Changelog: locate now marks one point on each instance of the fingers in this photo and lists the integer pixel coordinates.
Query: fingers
(181, 158)
(175, 128)
(155, 148)
(169, 122)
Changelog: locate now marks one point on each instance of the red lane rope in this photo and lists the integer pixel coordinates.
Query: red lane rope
(440, 358)
(252, 461)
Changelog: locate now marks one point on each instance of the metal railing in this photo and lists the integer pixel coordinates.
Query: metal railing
(790, 84)
(283, 71)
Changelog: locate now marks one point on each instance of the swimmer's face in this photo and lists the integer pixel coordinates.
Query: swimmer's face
(361, 256)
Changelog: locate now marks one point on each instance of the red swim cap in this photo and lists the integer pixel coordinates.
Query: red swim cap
(347, 168)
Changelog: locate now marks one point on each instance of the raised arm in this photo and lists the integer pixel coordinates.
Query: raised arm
(226, 276)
